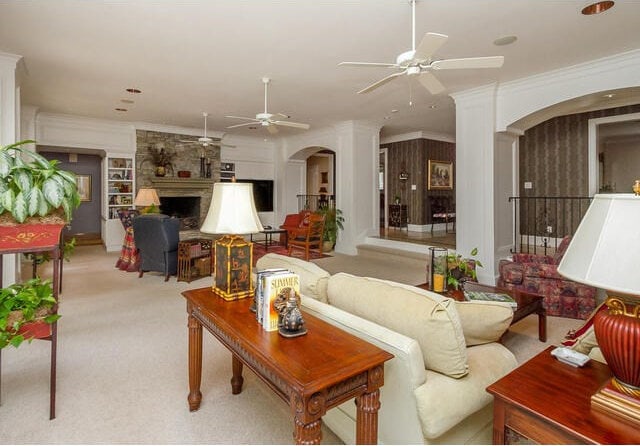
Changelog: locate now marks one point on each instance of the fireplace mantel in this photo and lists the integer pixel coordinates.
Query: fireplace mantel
(181, 183)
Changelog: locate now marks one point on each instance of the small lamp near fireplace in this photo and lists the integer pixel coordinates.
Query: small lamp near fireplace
(232, 212)
(149, 199)
(604, 253)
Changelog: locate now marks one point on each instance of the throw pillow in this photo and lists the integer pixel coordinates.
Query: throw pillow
(313, 279)
(430, 319)
(484, 322)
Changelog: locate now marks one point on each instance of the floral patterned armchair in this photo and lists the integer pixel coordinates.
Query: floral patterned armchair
(538, 274)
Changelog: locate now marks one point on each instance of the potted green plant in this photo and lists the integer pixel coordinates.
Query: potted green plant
(26, 311)
(34, 192)
(461, 269)
(333, 221)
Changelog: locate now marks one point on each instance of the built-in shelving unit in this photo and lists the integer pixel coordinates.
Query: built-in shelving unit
(120, 185)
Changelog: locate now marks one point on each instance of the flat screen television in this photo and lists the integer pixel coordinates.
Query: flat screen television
(262, 193)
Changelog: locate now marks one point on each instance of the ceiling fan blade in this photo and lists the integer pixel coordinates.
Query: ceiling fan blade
(219, 144)
(188, 141)
(297, 125)
(369, 64)
(430, 43)
(242, 125)
(431, 83)
(243, 117)
(381, 82)
(468, 62)
(272, 129)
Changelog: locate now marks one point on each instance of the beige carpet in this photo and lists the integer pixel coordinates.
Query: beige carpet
(122, 365)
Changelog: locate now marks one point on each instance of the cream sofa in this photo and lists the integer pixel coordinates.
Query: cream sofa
(445, 354)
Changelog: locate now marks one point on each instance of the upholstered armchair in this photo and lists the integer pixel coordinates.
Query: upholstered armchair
(156, 237)
(538, 274)
(296, 224)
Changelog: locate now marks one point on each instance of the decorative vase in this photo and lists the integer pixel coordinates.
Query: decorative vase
(327, 246)
(618, 334)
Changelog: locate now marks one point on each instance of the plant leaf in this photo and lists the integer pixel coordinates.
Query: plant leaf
(23, 179)
(53, 192)
(20, 209)
(6, 163)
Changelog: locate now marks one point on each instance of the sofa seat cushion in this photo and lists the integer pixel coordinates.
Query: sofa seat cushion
(427, 317)
(542, 270)
(484, 322)
(444, 402)
(313, 279)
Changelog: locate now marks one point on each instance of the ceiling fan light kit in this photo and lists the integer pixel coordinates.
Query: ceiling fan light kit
(419, 62)
(266, 119)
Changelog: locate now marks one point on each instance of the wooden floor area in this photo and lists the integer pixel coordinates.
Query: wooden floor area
(438, 238)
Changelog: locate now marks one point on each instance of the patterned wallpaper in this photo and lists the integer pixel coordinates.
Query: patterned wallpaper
(412, 157)
(554, 154)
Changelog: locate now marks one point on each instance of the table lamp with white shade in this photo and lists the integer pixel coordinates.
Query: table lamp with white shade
(232, 213)
(603, 253)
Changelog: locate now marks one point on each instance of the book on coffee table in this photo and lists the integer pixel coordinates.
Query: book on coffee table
(492, 297)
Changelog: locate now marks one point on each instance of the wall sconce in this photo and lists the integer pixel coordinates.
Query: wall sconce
(404, 176)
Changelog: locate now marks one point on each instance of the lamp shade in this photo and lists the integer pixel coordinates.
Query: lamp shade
(147, 197)
(604, 250)
(232, 210)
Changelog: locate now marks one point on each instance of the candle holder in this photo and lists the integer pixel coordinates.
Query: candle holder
(438, 272)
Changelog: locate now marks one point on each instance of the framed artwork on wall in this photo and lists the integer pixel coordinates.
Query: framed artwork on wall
(440, 175)
(84, 187)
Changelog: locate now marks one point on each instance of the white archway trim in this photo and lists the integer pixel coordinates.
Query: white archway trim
(593, 145)
(521, 98)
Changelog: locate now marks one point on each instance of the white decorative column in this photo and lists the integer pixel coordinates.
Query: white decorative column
(475, 170)
(9, 129)
(357, 151)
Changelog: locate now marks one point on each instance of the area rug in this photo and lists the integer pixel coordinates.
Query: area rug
(259, 251)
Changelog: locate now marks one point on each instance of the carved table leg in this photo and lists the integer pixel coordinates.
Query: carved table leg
(310, 433)
(195, 363)
(307, 418)
(367, 417)
(542, 325)
(236, 379)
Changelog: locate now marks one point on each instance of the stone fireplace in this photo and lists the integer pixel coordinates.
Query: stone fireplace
(186, 208)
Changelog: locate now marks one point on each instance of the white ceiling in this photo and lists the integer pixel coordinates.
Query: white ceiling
(210, 55)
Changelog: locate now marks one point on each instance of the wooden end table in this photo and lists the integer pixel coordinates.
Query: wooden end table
(268, 238)
(528, 303)
(549, 402)
(311, 373)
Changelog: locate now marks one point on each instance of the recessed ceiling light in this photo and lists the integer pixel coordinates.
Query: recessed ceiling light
(394, 111)
(433, 107)
(505, 40)
(127, 101)
(597, 7)
(121, 109)
(252, 128)
(133, 90)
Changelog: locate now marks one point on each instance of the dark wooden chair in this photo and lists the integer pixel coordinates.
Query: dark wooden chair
(311, 238)
(442, 210)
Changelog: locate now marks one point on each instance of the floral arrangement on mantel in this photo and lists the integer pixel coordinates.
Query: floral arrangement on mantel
(33, 189)
(161, 159)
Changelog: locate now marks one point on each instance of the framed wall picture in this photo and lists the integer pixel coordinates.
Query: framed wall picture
(440, 175)
(84, 187)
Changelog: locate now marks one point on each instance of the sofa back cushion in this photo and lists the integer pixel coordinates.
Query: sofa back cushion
(427, 317)
(313, 279)
(562, 248)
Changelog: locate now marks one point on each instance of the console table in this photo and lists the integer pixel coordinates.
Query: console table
(311, 373)
(549, 402)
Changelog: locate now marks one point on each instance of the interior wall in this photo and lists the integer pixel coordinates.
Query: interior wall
(554, 154)
(621, 165)
(412, 157)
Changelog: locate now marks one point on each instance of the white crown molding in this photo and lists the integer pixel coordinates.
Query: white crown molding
(418, 135)
(178, 130)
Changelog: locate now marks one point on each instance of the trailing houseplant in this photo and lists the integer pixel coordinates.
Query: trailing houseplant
(461, 269)
(22, 304)
(333, 221)
(32, 186)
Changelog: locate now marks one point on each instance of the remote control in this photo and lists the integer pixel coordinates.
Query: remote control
(571, 357)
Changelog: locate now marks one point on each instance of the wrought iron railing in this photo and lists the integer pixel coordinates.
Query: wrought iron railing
(315, 202)
(540, 223)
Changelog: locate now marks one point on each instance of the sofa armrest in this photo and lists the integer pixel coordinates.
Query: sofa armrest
(398, 421)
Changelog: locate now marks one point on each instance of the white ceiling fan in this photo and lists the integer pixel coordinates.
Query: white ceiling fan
(420, 62)
(205, 141)
(266, 119)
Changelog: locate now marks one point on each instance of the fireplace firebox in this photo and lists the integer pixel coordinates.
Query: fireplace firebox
(187, 209)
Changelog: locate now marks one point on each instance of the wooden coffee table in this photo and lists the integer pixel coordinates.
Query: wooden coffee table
(311, 373)
(528, 303)
(549, 402)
